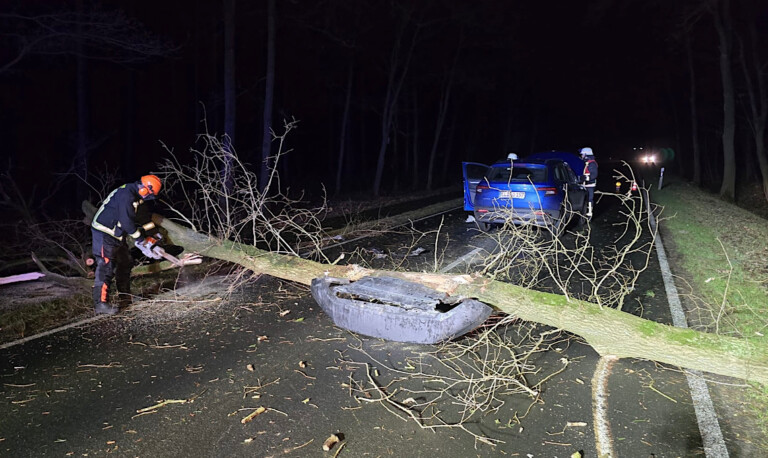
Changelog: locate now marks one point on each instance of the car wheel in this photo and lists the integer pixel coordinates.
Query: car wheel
(485, 227)
(581, 217)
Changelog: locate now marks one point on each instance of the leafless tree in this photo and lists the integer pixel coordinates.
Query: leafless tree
(754, 66)
(85, 34)
(721, 12)
(401, 53)
(267, 168)
(230, 82)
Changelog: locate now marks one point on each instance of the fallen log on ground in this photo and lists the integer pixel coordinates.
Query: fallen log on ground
(21, 278)
(70, 282)
(609, 331)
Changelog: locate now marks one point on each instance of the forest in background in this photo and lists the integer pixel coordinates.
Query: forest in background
(390, 96)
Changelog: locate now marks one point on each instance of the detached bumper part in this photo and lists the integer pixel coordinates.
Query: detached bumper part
(397, 310)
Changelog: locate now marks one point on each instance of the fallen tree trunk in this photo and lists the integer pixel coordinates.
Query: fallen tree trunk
(608, 331)
(70, 282)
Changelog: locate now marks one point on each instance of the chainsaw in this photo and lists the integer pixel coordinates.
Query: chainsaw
(187, 259)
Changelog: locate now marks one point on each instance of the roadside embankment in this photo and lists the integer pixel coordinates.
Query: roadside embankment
(719, 255)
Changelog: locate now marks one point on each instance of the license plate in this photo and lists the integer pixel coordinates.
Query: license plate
(512, 195)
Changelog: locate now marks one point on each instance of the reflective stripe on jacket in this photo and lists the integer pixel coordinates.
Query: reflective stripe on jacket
(117, 214)
(590, 173)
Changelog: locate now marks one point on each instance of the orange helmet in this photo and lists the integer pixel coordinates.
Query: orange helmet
(150, 186)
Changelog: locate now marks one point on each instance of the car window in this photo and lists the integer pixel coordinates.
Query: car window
(475, 171)
(517, 173)
(571, 176)
(559, 176)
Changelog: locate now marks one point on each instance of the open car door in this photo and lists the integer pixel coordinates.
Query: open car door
(473, 174)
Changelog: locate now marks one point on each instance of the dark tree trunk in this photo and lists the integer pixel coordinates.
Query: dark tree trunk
(128, 164)
(230, 102)
(441, 113)
(397, 73)
(758, 101)
(448, 149)
(722, 16)
(415, 142)
(344, 125)
(269, 94)
(694, 112)
(80, 164)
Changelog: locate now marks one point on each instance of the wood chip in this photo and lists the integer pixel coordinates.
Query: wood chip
(330, 442)
(575, 423)
(253, 415)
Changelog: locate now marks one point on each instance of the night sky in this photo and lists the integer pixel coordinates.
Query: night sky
(530, 76)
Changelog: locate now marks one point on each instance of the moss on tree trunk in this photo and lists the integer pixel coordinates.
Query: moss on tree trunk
(608, 331)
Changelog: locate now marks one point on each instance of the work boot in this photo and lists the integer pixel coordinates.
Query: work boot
(104, 308)
(124, 300)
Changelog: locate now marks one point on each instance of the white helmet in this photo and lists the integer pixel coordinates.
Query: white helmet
(586, 152)
(512, 156)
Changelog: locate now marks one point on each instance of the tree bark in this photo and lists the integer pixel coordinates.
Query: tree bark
(444, 102)
(344, 124)
(229, 91)
(694, 112)
(397, 73)
(415, 176)
(757, 93)
(269, 94)
(609, 331)
(83, 114)
(722, 16)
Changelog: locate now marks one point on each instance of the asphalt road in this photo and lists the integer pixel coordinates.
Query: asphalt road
(178, 379)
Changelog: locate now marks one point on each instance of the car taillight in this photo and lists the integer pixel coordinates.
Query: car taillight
(482, 187)
(547, 191)
(482, 211)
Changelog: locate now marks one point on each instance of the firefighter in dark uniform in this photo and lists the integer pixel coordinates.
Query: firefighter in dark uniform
(112, 224)
(589, 177)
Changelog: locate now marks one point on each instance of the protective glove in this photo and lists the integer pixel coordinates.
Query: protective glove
(147, 245)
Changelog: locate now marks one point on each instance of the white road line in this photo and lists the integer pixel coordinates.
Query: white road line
(603, 436)
(52, 331)
(711, 434)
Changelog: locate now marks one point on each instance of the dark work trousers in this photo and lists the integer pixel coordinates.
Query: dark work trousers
(113, 260)
(591, 194)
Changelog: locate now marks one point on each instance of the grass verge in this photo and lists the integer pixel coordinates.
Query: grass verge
(721, 251)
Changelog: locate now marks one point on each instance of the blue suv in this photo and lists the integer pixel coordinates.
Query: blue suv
(542, 189)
